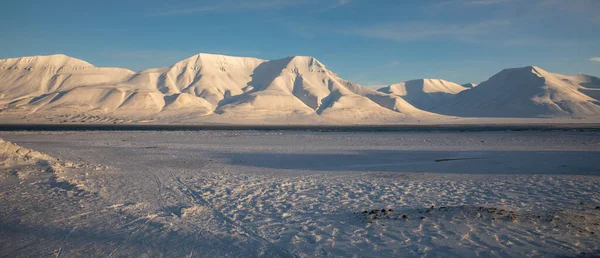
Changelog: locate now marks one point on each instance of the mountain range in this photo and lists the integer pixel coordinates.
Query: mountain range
(207, 88)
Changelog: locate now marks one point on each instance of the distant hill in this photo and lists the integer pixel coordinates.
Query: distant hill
(425, 94)
(526, 92)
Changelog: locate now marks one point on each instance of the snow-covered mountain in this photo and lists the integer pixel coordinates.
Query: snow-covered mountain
(233, 87)
(527, 92)
(469, 85)
(589, 85)
(297, 89)
(37, 75)
(425, 94)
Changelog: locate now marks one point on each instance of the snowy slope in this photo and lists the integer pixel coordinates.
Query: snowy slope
(524, 92)
(425, 94)
(588, 85)
(303, 85)
(212, 77)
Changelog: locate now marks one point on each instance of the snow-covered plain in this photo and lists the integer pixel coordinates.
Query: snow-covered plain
(305, 194)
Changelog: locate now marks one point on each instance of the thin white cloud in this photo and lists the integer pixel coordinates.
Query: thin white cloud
(394, 63)
(228, 6)
(337, 4)
(528, 41)
(485, 2)
(248, 5)
(595, 59)
(501, 32)
(427, 30)
(474, 3)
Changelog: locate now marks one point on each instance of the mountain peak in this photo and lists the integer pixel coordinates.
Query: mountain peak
(469, 85)
(302, 58)
(217, 57)
(425, 86)
(522, 72)
(528, 91)
(48, 61)
(303, 62)
(217, 61)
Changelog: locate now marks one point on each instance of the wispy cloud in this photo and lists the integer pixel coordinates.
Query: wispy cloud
(584, 8)
(595, 59)
(229, 6)
(337, 4)
(426, 30)
(472, 3)
(394, 63)
(554, 42)
(249, 5)
(484, 2)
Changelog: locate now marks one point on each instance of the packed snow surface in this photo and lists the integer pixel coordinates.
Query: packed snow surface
(299, 194)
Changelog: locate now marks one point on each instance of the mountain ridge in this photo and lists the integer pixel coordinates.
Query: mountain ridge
(424, 93)
(216, 87)
(523, 92)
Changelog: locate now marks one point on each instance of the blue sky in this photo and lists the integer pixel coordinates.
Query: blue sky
(367, 41)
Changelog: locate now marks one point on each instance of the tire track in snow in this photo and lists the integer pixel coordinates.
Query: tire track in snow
(217, 213)
(198, 234)
(132, 234)
(64, 241)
